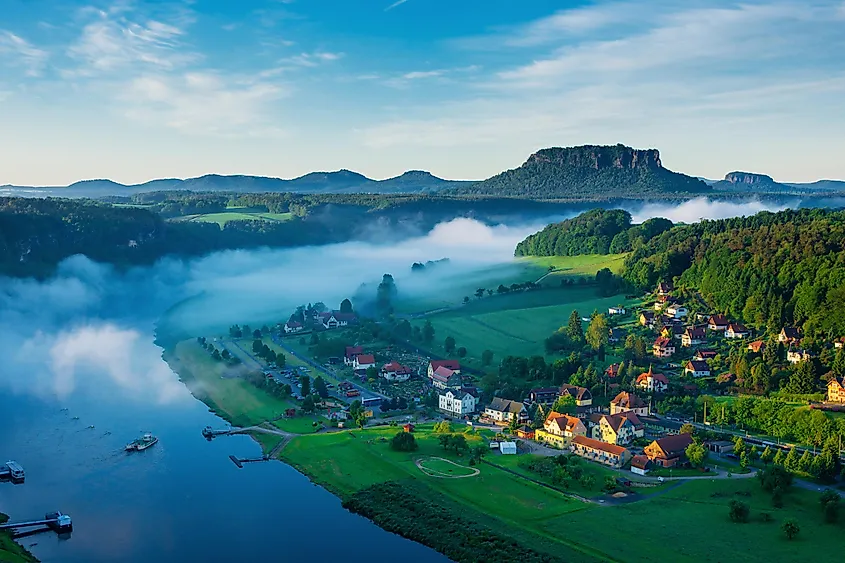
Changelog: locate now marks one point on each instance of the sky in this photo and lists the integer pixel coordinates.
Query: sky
(133, 90)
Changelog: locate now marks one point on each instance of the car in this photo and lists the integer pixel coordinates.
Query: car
(660, 479)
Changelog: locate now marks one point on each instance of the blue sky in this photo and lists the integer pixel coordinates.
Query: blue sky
(134, 90)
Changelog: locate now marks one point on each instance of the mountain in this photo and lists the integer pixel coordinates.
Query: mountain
(750, 182)
(820, 186)
(588, 171)
(341, 181)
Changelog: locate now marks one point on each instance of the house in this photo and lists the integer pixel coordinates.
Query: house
(503, 410)
(664, 288)
(697, 368)
(652, 382)
(839, 343)
(797, 356)
(677, 311)
(543, 395)
(628, 402)
(456, 403)
(351, 353)
(336, 319)
(639, 464)
(720, 447)
(704, 355)
(507, 448)
(836, 390)
(717, 323)
(757, 347)
(736, 330)
(789, 335)
(617, 311)
(595, 450)
(616, 335)
(453, 365)
(582, 395)
(672, 330)
(614, 429)
(445, 378)
(612, 371)
(395, 371)
(693, 336)
(362, 362)
(663, 347)
(668, 451)
(647, 318)
(408, 427)
(525, 432)
(293, 327)
(559, 429)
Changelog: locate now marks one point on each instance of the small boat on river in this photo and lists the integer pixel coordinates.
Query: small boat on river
(142, 443)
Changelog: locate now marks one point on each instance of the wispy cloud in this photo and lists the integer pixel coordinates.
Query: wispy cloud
(395, 5)
(22, 53)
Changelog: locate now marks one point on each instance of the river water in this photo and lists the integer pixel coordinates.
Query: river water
(182, 500)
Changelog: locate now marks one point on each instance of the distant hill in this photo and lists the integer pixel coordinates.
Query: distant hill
(588, 171)
(341, 181)
(750, 182)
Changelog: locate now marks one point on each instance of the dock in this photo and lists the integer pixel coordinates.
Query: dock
(208, 432)
(240, 461)
(56, 521)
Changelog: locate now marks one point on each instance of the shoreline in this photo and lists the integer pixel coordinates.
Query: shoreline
(12, 551)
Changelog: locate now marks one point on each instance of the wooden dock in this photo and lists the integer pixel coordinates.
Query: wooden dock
(240, 461)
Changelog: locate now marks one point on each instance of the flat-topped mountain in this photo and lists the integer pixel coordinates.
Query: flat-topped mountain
(588, 171)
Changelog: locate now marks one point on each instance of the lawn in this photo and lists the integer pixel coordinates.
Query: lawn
(10, 551)
(690, 523)
(515, 324)
(348, 461)
(597, 471)
(576, 266)
(239, 402)
(267, 441)
(238, 214)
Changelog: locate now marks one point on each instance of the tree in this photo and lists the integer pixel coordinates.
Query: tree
(235, 331)
(384, 295)
(459, 443)
(256, 346)
(803, 379)
(790, 529)
(774, 477)
(598, 332)
(739, 446)
(779, 458)
(404, 442)
(564, 404)
(829, 501)
(305, 383)
(428, 332)
(216, 354)
(791, 461)
(308, 404)
(805, 463)
(743, 459)
(443, 427)
(287, 390)
(445, 440)
(320, 387)
(687, 428)
(256, 333)
(449, 345)
(372, 373)
(478, 452)
(697, 453)
(466, 299)
(513, 424)
(479, 292)
(346, 306)
(574, 329)
(486, 357)
(225, 355)
(265, 329)
(739, 511)
(462, 352)
(767, 455)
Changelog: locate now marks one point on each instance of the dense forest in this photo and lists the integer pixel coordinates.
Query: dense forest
(589, 171)
(598, 231)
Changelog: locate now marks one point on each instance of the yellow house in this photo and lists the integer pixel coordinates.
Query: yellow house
(836, 391)
(559, 429)
(615, 429)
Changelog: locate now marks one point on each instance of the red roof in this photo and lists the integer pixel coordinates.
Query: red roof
(366, 359)
(674, 445)
(352, 351)
(718, 320)
(639, 461)
(655, 376)
(453, 365)
(756, 346)
(612, 370)
(443, 374)
(662, 342)
(395, 367)
(598, 445)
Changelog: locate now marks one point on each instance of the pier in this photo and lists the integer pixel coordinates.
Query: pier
(208, 432)
(56, 521)
(240, 461)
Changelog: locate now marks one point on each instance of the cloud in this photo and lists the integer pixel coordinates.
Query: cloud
(395, 5)
(702, 208)
(23, 53)
(203, 103)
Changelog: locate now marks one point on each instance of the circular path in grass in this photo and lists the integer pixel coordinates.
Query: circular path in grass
(444, 468)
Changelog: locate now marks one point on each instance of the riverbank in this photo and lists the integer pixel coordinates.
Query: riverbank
(10, 550)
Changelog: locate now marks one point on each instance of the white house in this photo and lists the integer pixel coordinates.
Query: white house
(616, 311)
(335, 319)
(503, 410)
(456, 403)
(652, 382)
(697, 368)
(677, 311)
(363, 361)
(797, 356)
(394, 371)
(293, 327)
(736, 330)
(351, 353)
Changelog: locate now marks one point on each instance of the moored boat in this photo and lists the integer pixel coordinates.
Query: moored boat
(142, 443)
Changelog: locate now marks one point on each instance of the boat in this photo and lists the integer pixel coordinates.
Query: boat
(13, 471)
(142, 443)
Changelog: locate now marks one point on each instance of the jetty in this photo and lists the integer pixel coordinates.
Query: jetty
(56, 521)
(240, 461)
(208, 432)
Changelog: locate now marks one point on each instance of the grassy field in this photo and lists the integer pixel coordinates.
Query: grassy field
(575, 266)
(235, 400)
(11, 552)
(690, 523)
(237, 214)
(348, 461)
(267, 441)
(515, 324)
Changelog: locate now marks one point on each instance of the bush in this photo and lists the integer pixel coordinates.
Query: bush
(404, 442)
(765, 517)
(790, 529)
(739, 511)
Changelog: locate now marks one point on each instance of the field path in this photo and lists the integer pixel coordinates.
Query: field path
(433, 473)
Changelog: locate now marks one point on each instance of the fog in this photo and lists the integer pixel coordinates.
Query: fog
(90, 322)
(702, 208)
